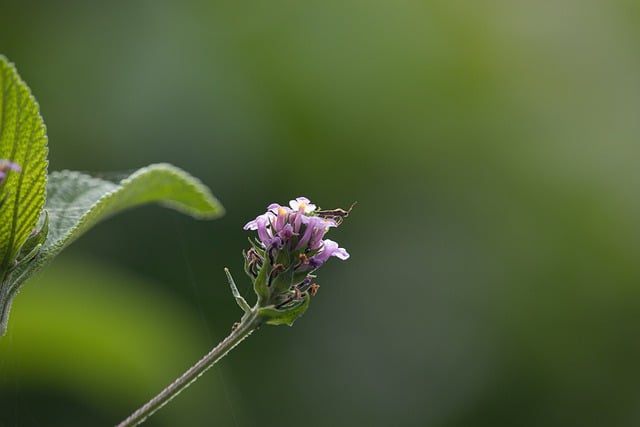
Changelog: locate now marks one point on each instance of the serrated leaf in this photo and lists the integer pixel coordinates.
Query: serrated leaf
(76, 202)
(23, 141)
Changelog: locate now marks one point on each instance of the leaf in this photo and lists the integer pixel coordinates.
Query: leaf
(23, 141)
(76, 202)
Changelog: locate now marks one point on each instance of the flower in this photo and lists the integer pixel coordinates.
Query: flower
(260, 224)
(290, 246)
(302, 204)
(6, 166)
(297, 230)
(329, 248)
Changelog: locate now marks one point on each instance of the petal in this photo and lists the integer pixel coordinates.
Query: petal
(287, 232)
(331, 248)
(281, 218)
(253, 224)
(302, 204)
(314, 227)
(273, 207)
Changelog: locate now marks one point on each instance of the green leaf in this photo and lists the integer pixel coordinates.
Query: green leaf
(23, 141)
(76, 202)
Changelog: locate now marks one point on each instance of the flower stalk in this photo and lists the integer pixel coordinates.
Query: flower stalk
(238, 334)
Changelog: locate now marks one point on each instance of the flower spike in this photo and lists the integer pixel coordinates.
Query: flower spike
(290, 246)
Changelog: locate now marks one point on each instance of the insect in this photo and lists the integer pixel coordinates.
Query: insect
(338, 215)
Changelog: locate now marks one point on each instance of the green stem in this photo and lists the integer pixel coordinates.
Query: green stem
(248, 324)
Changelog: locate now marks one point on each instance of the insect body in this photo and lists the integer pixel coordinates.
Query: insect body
(337, 215)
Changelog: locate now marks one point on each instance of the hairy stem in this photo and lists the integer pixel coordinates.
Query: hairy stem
(249, 323)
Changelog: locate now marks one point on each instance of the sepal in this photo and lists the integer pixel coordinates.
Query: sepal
(286, 280)
(275, 316)
(242, 303)
(260, 285)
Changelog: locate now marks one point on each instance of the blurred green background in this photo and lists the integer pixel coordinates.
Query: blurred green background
(492, 148)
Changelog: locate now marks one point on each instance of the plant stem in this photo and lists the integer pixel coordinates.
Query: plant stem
(247, 325)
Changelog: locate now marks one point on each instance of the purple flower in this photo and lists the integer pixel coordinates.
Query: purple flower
(302, 205)
(294, 235)
(261, 223)
(291, 246)
(315, 228)
(282, 214)
(329, 249)
(286, 233)
(6, 166)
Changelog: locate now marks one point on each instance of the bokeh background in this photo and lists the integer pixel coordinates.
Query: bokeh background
(493, 150)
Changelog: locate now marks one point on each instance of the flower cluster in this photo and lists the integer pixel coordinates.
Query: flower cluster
(297, 228)
(5, 167)
(289, 247)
